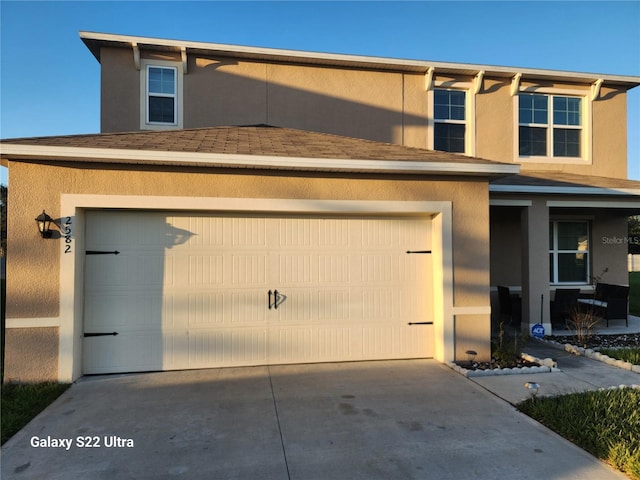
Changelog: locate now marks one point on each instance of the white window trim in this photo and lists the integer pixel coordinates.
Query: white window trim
(469, 114)
(555, 251)
(144, 92)
(586, 120)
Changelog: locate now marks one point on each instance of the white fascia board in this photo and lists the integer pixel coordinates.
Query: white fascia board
(563, 190)
(510, 203)
(153, 157)
(362, 60)
(592, 204)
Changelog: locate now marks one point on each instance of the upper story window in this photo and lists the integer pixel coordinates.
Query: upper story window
(451, 124)
(550, 126)
(449, 120)
(160, 94)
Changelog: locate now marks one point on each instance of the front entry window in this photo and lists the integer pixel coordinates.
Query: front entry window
(569, 252)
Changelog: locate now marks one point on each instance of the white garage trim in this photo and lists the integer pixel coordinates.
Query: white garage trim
(72, 266)
(479, 310)
(35, 322)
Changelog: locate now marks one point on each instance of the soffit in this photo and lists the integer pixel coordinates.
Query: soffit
(564, 183)
(94, 41)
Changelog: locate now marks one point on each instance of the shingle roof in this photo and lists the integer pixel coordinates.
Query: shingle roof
(259, 140)
(561, 180)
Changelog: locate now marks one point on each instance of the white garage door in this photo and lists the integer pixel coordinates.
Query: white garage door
(198, 291)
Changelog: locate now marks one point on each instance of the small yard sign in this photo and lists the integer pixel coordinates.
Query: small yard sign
(537, 330)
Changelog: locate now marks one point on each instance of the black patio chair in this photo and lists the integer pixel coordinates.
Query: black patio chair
(565, 303)
(510, 307)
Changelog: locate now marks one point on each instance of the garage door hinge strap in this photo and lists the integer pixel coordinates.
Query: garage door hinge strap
(418, 251)
(100, 334)
(420, 323)
(99, 252)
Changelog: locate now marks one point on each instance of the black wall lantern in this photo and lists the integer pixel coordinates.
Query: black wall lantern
(44, 225)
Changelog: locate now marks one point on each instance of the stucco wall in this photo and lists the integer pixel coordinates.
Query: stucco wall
(31, 355)
(610, 248)
(119, 91)
(33, 263)
(378, 105)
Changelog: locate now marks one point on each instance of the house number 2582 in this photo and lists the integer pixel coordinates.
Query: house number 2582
(66, 232)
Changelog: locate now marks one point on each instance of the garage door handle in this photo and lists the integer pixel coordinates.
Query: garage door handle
(278, 299)
(273, 303)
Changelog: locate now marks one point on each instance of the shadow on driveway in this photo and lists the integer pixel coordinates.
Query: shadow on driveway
(414, 419)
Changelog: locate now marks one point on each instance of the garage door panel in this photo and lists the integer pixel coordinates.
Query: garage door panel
(301, 268)
(107, 271)
(249, 269)
(123, 311)
(204, 270)
(134, 352)
(406, 341)
(248, 307)
(206, 309)
(227, 348)
(195, 294)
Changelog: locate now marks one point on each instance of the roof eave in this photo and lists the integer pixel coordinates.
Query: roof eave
(94, 41)
(557, 190)
(257, 162)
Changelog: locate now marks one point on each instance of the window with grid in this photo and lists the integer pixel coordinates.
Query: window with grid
(549, 125)
(161, 95)
(449, 118)
(569, 252)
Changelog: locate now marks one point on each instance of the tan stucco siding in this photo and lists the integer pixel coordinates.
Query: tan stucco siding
(225, 92)
(416, 112)
(32, 262)
(119, 91)
(31, 355)
(495, 125)
(610, 134)
(471, 331)
(377, 105)
(609, 247)
(341, 101)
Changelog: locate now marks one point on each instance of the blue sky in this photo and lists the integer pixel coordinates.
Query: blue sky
(50, 83)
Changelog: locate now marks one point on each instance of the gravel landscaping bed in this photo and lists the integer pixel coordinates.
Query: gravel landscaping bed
(595, 342)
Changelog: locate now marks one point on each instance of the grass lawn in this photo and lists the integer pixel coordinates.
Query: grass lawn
(634, 293)
(20, 403)
(631, 355)
(604, 423)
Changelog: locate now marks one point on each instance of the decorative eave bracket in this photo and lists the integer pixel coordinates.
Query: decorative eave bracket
(183, 54)
(515, 84)
(428, 79)
(136, 55)
(477, 82)
(595, 89)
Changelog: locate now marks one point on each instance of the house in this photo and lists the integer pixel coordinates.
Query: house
(251, 206)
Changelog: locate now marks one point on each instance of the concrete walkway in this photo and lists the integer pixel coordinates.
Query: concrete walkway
(415, 419)
(577, 374)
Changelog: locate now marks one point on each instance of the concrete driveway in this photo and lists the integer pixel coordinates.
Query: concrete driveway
(370, 420)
